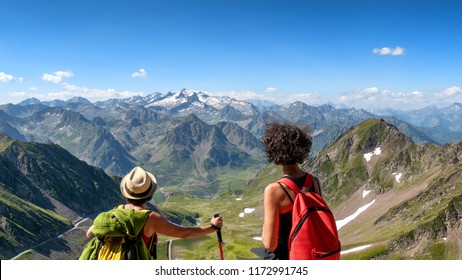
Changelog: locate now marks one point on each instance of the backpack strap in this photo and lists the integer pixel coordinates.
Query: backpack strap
(99, 242)
(152, 246)
(309, 185)
(291, 184)
(287, 193)
(316, 186)
(153, 240)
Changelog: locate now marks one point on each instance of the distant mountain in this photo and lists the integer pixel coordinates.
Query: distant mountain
(79, 100)
(43, 189)
(328, 123)
(54, 103)
(135, 100)
(30, 101)
(196, 148)
(411, 195)
(241, 138)
(416, 134)
(210, 109)
(93, 144)
(22, 111)
(258, 122)
(443, 125)
(6, 127)
(262, 104)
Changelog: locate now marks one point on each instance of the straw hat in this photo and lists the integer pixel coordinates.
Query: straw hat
(138, 184)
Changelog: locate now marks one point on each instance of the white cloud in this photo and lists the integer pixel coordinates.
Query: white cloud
(374, 97)
(389, 51)
(70, 91)
(20, 94)
(6, 77)
(240, 95)
(371, 90)
(452, 91)
(57, 76)
(70, 87)
(9, 78)
(140, 74)
(271, 90)
(277, 97)
(417, 94)
(311, 98)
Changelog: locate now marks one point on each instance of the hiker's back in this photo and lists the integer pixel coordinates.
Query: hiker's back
(314, 233)
(117, 236)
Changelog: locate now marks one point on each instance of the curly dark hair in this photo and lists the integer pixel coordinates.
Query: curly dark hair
(286, 143)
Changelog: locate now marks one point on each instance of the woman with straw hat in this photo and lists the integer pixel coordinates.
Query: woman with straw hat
(138, 187)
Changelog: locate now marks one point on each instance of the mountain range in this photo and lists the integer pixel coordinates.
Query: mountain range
(398, 168)
(392, 198)
(118, 134)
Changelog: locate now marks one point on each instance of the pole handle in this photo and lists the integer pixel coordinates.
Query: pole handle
(220, 240)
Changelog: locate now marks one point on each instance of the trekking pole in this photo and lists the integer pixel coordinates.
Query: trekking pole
(220, 240)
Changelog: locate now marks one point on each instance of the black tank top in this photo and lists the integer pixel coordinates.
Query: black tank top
(285, 224)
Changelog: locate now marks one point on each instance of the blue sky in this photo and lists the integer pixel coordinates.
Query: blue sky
(370, 54)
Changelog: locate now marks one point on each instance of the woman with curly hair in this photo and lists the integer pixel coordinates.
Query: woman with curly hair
(286, 145)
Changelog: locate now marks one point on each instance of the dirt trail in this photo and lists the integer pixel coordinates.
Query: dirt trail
(76, 224)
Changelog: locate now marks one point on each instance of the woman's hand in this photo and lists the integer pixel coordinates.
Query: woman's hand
(217, 222)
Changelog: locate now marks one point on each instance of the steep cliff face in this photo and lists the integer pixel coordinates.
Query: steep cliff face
(43, 189)
(386, 191)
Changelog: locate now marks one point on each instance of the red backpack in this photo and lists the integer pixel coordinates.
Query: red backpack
(314, 233)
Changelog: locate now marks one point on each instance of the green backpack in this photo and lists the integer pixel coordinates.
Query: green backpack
(117, 236)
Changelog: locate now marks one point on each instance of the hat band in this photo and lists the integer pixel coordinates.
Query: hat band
(138, 195)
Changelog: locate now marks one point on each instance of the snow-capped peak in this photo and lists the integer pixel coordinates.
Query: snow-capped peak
(186, 99)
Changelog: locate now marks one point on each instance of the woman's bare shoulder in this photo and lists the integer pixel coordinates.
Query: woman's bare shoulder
(274, 190)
